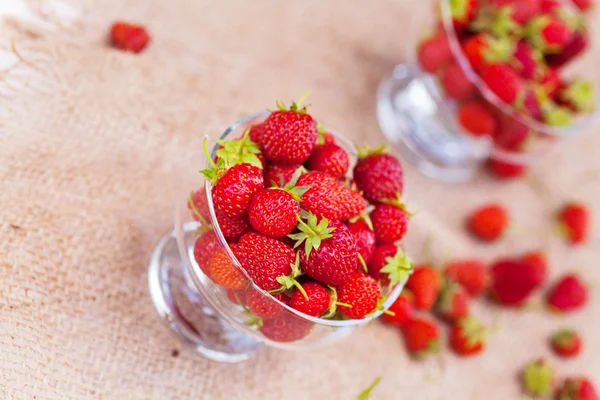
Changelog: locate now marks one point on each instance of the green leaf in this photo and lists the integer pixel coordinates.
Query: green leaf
(398, 268)
(366, 394)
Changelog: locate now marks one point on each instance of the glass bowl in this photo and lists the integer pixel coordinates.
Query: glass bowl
(218, 321)
(419, 116)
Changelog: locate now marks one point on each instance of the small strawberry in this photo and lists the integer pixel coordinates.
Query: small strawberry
(204, 247)
(568, 294)
(129, 37)
(566, 343)
(528, 59)
(330, 159)
(364, 237)
(537, 260)
(482, 49)
(223, 272)
(549, 34)
(390, 222)
(463, 12)
(426, 284)
(471, 274)
(506, 170)
(277, 175)
(584, 5)
(421, 336)
(468, 337)
(577, 95)
(314, 301)
(513, 281)
(434, 53)
(476, 119)
(488, 222)
(285, 328)
(379, 175)
(358, 295)
(456, 84)
(538, 379)
(504, 81)
(324, 137)
(329, 198)
(402, 309)
(577, 389)
(232, 228)
(453, 303)
(198, 205)
(578, 44)
(256, 133)
(573, 221)
(390, 265)
(289, 135)
(263, 306)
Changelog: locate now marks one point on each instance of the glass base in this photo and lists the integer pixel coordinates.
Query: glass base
(421, 125)
(188, 313)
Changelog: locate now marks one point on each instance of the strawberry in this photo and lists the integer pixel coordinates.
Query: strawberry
(232, 228)
(456, 84)
(577, 95)
(324, 137)
(329, 198)
(513, 281)
(550, 6)
(577, 45)
(403, 309)
(551, 81)
(463, 12)
(476, 119)
(421, 336)
(256, 133)
(390, 222)
(505, 170)
(358, 295)
(511, 134)
(204, 247)
(584, 5)
(314, 301)
(129, 37)
(330, 159)
(434, 53)
(285, 328)
(567, 295)
(233, 190)
(566, 343)
(471, 274)
(453, 303)
(519, 11)
(289, 135)
(548, 33)
(532, 106)
(504, 81)
(379, 260)
(529, 60)
(467, 337)
(538, 378)
(482, 49)
(364, 237)
(577, 389)
(425, 283)
(390, 265)
(263, 306)
(379, 175)
(198, 205)
(539, 264)
(488, 222)
(329, 254)
(223, 272)
(573, 219)
(277, 175)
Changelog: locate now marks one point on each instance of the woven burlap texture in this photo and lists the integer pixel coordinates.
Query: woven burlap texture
(93, 142)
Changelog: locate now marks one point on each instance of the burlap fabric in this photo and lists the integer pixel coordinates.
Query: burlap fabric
(93, 142)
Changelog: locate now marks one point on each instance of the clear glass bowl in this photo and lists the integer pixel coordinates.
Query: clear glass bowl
(418, 117)
(216, 320)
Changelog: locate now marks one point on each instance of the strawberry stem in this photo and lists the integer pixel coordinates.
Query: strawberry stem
(362, 262)
(195, 210)
(311, 233)
(339, 304)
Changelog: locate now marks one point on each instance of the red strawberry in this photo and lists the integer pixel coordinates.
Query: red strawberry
(277, 175)
(390, 265)
(364, 237)
(434, 53)
(285, 328)
(488, 222)
(574, 48)
(467, 337)
(566, 343)
(390, 222)
(329, 254)
(577, 389)
(329, 198)
(198, 205)
(264, 306)
(425, 283)
(463, 12)
(577, 95)
(224, 272)
(504, 81)
(453, 303)
(324, 136)
(330, 159)
(256, 133)
(403, 309)
(573, 220)
(232, 228)
(421, 336)
(529, 60)
(482, 49)
(511, 134)
(358, 295)
(550, 6)
(568, 294)
(513, 281)
(538, 379)
(537, 260)
(234, 189)
(379, 175)
(205, 246)
(584, 5)
(456, 84)
(476, 119)
(505, 170)
(273, 212)
(471, 274)
(548, 33)
(314, 302)
(289, 135)
(129, 37)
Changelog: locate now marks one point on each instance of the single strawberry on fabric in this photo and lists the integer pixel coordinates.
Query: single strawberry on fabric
(364, 237)
(421, 336)
(426, 284)
(468, 337)
(463, 12)
(578, 44)
(538, 379)
(568, 294)
(482, 49)
(577, 95)
(232, 228)
(358, 295)
(573, 221)
(453, 303)
(506, 170)
(456, 84)
(390, 265)
(513, 281)
(579, 388)
(566, 343)
(402, 310)
(224, 272)
(378, 174)
(264, 306)
(472, 274)
(504, 81)
(285, 328)
(129, 37)
(488, 222)
(390, 222)
(476, 118)
(277, 175)
(316, 302)
(434, 53)
(330, 159)
(198, 205)
(204, 247)
(548, 33)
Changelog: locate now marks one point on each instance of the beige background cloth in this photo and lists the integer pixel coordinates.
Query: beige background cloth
(93, 141)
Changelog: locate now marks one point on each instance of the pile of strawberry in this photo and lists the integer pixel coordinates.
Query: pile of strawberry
(518, 49)
(317, 240)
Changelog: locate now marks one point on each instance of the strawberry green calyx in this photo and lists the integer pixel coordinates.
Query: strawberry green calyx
(538, 378)
(498, 49)
(366, 394)
(498, 21)
(398, 268)
(289, 281)
(558, 116)
(216, 170)
(239, 151)
(580, 93)
(321, 131)
(460, 10)
(432, 347)
(295, 191)
(365, 217)
(362, 263)
(311, 233)
(564, 337)
(331, 311)
(473, 331)
(296, 106)
(397, 202)
(366, 151)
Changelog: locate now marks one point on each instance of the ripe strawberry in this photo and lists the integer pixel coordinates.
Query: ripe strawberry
(505, 170)
(488, 222)
(539, 264)
(566, 343)
(198, 205)
(329, 254)
(364, 237)
(403, 309)
(467, 337)
(577, 95)
(256, 133)
(463, 12)
(316, 302)
(573, 220)
(324, 137)
(567, 295)
(550, 6)
(390, 222)
(425, 283)
(434, 53)
(538, 379)
(329, 198)
(482, 49)
(529, 60)
(277, 175)
(456, 84)
(471, 274)
(233, 190)
(330, 159)
(548, 33)
(285, 328)
(129, 37)
(379, 175)
(232, 228)
(511, 134)
(572, 50)
(224, 272)
(476, 119)
(513, 281)
(390, 265)
(264, 306)
(421, 336)
(273, 212)
(204, 247)
(289, 135)
(504, 81)
(584, 5)
(577, 389)
(453, 303)
(358, 295)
